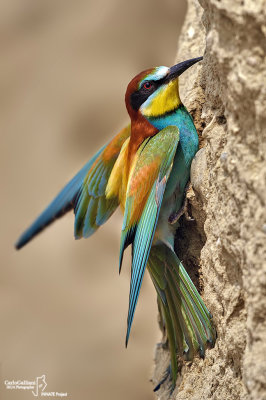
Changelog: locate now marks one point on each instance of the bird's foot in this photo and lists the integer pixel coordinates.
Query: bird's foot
(166, 375)
(183, 210)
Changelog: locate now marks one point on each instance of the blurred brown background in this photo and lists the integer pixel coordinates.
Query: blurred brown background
(64, 69)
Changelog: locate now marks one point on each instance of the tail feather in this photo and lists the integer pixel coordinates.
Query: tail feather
(186, 317)
(172, 338)
(187, 320)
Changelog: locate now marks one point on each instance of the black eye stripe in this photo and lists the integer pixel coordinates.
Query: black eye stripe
(140, 96)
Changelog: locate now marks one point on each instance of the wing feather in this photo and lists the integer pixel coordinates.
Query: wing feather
(92, 208)
(85, 193)
(145, 192)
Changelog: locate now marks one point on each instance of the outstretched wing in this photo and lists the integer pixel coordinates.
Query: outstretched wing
(92, 208)
(85, 193)
(146, 186)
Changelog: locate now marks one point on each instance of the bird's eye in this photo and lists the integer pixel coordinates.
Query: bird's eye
(147, 85)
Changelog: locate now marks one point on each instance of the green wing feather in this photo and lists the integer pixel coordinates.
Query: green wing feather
(145, 191)
(92, 208)
(85, 193)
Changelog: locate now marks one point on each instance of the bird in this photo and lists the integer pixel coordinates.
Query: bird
(145, 170)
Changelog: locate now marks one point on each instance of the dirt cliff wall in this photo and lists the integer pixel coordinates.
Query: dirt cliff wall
(225, 244)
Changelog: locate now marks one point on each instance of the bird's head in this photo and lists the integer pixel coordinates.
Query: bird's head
(154, 92)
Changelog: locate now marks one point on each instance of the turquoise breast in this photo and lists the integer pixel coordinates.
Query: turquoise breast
(186, 150)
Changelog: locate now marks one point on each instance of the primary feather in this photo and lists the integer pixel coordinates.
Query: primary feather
(85, 193)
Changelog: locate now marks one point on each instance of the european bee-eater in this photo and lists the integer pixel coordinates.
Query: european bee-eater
(145, 169)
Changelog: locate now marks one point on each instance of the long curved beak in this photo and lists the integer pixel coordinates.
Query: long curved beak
(178, 69)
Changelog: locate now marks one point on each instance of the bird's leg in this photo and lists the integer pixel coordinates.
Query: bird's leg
(183, 210)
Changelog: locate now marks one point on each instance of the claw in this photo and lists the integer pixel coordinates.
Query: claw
(183, 210)
(165, 376)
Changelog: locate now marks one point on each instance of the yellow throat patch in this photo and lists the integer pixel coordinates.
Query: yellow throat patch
(164, 100)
